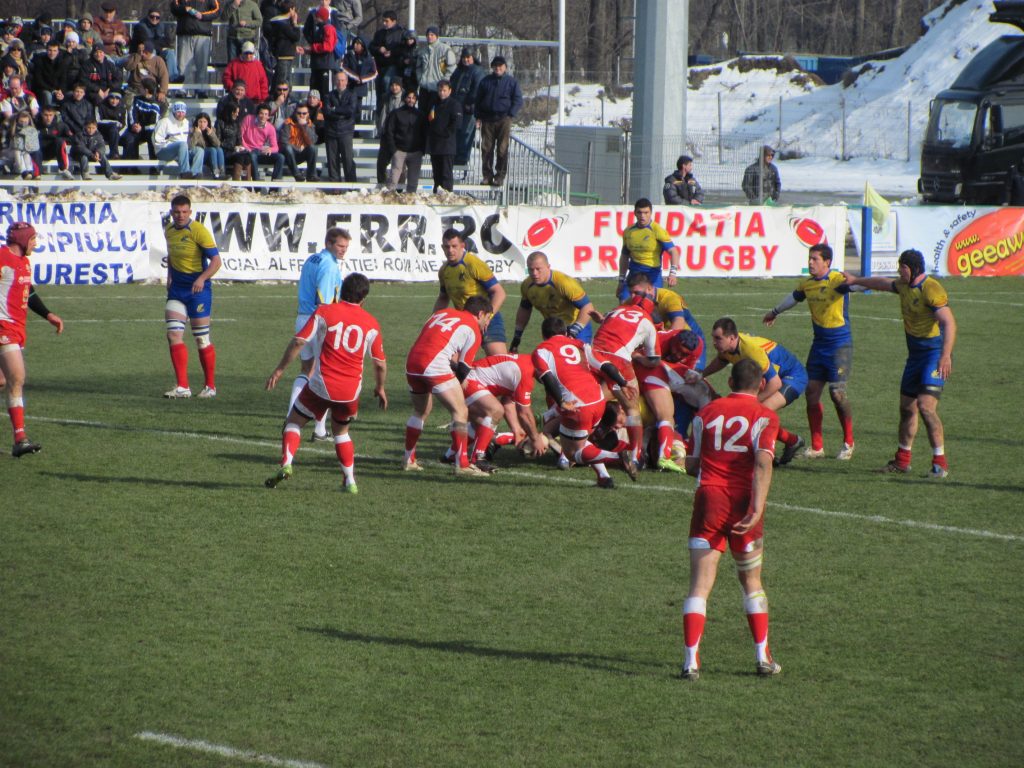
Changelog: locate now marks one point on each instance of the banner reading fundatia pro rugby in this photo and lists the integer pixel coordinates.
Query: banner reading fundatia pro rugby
(969, 242)
(737, 241)
(389, 242)
(84, 243)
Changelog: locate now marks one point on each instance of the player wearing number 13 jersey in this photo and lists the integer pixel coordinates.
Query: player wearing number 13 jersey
(341, 334)
(733, 445)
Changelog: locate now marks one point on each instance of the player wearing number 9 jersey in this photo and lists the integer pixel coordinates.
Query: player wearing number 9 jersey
(733, 446)
(341, 334)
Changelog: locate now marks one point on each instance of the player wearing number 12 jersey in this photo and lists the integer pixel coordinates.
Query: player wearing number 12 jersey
(733, 446)
(341, 334)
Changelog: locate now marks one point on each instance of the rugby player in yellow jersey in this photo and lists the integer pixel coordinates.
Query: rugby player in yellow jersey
(192, 259)
(643, 243)
(931, 332)
(554, 294)
(828, 297)
(784, 377)
(465, 274)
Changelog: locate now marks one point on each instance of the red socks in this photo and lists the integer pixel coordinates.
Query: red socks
(179, 359)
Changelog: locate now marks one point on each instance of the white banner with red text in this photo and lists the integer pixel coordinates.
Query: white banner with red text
(92, 243)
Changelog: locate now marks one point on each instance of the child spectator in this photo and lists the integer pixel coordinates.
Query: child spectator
(23, 143)
(77, 110)
(89, 147)
(53, 141)
(112, 118)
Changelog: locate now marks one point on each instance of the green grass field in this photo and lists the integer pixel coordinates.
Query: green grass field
(149, 583)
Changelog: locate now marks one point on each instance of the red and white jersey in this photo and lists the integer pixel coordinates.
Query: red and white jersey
(504, 376)
(15, 284)
(342, 334)
(447, 335)
(727, 433)
(566, 359)
(626, 329)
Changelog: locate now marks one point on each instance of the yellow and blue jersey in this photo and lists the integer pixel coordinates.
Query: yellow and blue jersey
(668, 306)
(918, 304)
(189, 251)
(828, 299)
(470, 276)
(646, 244)
(561, 296)
(773, 358)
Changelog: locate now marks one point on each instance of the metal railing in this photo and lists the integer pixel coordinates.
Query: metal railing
(533, 178)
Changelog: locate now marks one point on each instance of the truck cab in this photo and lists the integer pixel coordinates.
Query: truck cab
(975, 129)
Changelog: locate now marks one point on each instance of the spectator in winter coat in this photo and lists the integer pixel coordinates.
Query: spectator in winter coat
(112, 31)
(146, 64)
(259, 137)
(194, 32)
(407, 56)
(151, 29)
(143, 116)
(236, 98)
(282, 105)
(361, 70)
(229, 131)
(22, 152)
(322, 37)
(88, 37)
(385, 107)
(101, 75)
(297, 139)
(435, 61)
(18, 99)
(16, 59)
(349, 14)
(48, 73)
(386, 50)
(283, 34)
(316, 114)
(465, 84)
(758, 187)
(77, 110)
(205, 137)
(112, 121)
(54, 139)
(682, 187)
(247, 68)
(171, 141)
(89, 147)
(405, 130)
(498, 101)
(244, 23)
(340, 123)
(76, 57)
(442, 129)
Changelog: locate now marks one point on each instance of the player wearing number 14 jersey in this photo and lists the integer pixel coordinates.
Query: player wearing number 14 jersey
(733, 446)
(341, 334)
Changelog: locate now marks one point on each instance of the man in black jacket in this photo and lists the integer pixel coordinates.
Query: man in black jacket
(442, 127)
(48, 73)
(386, 48)
(405, 130)
(340, 125)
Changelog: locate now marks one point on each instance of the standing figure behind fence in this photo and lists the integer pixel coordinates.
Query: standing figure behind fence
(499, 99)
(761, 180)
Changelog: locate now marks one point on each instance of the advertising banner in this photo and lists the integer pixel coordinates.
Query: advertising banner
(965, 241)
(81, 243)
(739, 241)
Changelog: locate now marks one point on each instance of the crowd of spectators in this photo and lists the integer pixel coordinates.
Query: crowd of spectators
(84, 92)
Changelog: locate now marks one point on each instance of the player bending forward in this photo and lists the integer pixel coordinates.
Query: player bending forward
(342, 334)
(733, 446)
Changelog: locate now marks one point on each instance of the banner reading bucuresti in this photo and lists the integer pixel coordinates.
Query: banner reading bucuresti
(112, 242)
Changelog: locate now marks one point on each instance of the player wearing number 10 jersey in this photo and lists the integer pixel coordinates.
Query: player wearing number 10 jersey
(733, 446)
(341, 334)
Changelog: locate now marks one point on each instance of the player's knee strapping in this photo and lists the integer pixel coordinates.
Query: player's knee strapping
(175, 326)
(15, 402)
(750, 563)
(755, 602)
(201, 333)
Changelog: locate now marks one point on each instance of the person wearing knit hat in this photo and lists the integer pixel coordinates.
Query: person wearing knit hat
(465, 83)
(14, 264)
(435, 60)
(170, 137)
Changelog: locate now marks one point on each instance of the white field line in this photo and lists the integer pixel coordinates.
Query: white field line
(221, 750)
(983, 301)
(75, 321)
(555, 478)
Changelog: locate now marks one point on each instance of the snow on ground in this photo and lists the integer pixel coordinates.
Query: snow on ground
(876, 107)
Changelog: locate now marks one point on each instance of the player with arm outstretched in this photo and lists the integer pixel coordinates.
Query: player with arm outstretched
(930, 330)
(734, 440)
(17, 296)
(438, 362)
(192, 260)
(341, 334)
(831, 356)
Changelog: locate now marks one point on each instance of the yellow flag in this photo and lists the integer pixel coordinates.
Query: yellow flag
(879, 205)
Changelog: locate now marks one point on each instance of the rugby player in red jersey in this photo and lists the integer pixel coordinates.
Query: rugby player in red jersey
(627, 335)
(16, 297)
(342, 334)
(560, 364)
(438, 362)
(734, 443)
